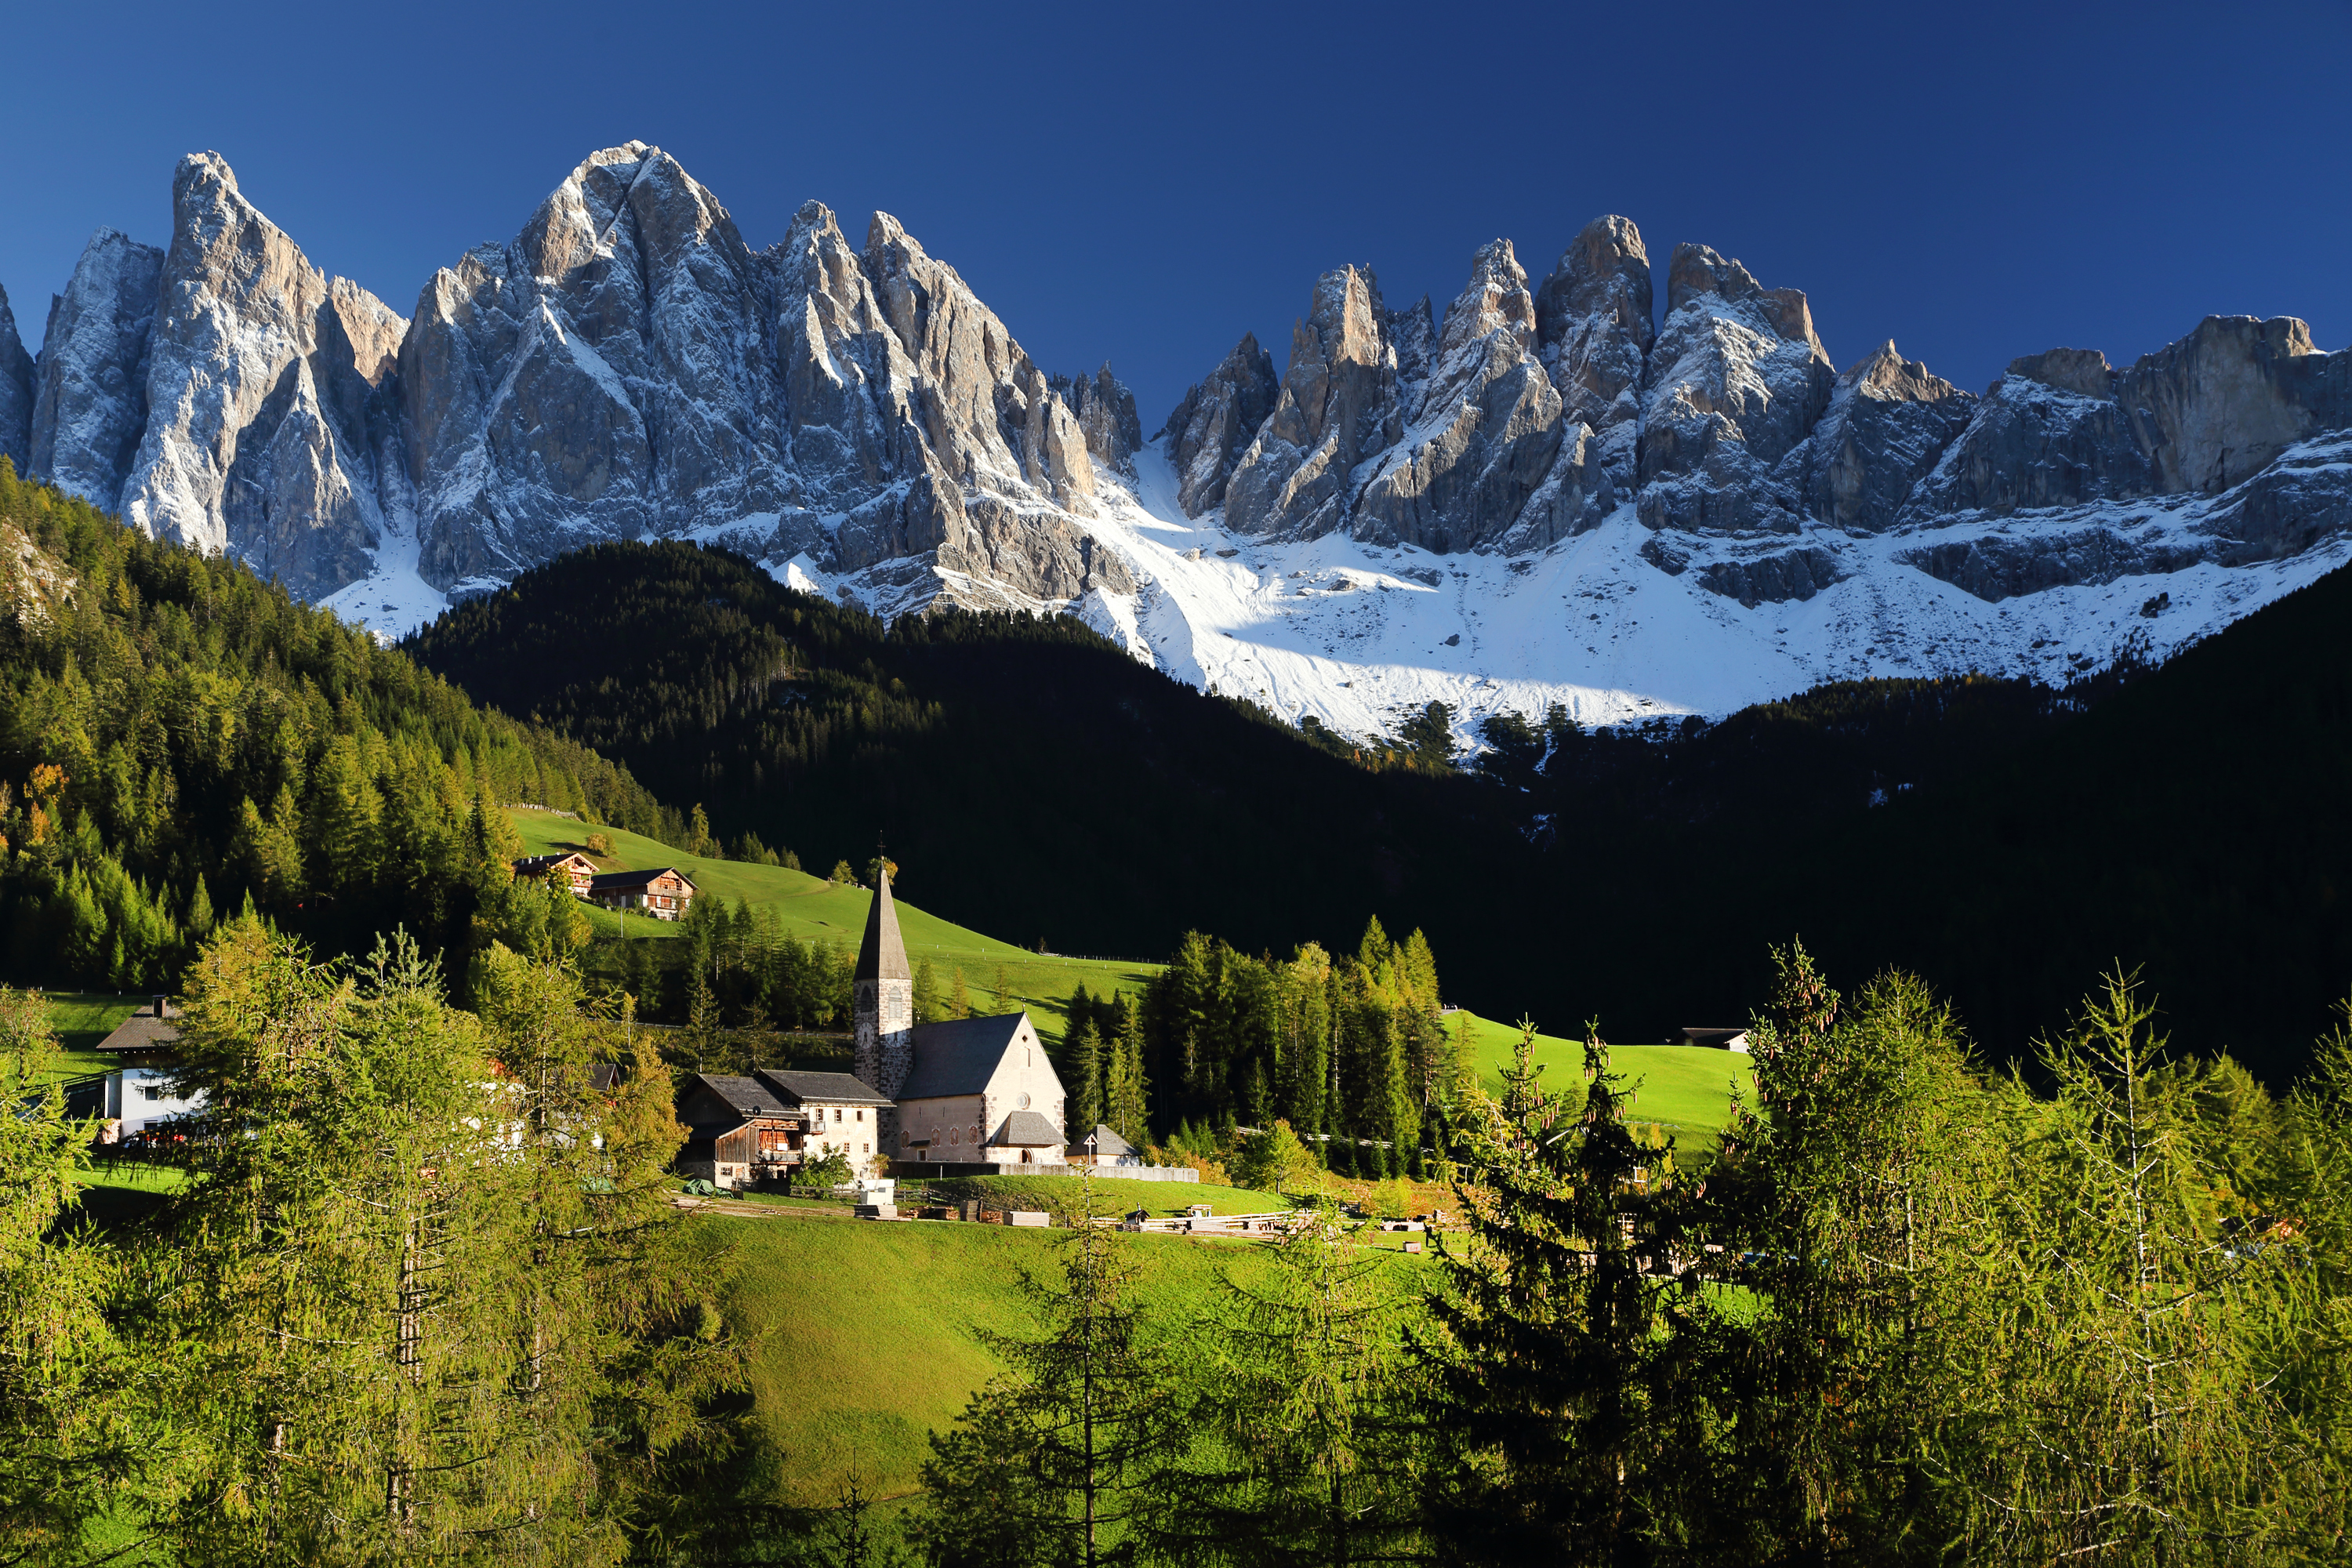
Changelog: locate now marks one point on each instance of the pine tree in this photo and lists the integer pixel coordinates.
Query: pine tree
(1085, 1065)
(1049, 1464)
(67, 1442)
(1546, 1354)
(1125, 1090)
(928, 1007)
(199, 923)
(1000, 991)
(1307, 1448)
(958, 995)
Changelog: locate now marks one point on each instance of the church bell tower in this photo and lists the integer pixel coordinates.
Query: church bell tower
(883, 1011)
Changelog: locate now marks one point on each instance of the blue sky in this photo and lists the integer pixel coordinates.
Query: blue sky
(1143, 184)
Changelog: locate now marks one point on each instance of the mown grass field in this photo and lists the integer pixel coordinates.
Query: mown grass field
(866, 1334)
(1686, 1088)
(812, 909)
(81, 1019)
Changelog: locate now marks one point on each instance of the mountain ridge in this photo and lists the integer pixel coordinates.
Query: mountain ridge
(1740, 519)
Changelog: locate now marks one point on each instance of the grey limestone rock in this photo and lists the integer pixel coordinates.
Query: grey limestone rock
(2047, 434)
(90, 388)
(1338, 405)
(2214, 408)
(1774, 576)
(16, 392)
(1485, 426)
(1105, 409)
(1592, 321)
(262, 382)
(1213, 425)
(1736, 379)
(1888, 422)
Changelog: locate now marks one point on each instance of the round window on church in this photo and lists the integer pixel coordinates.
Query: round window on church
(1024, 1102)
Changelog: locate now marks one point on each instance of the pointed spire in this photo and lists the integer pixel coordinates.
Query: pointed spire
(882, 955)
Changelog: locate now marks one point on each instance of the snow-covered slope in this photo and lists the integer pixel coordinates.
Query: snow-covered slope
(1537, 498)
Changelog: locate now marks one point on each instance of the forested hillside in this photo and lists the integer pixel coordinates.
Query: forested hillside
(178, 737)
(1034, 781)
(1999, 838)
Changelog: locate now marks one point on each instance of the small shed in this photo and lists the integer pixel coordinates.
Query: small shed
(1104, 1147)
(1716, 1039)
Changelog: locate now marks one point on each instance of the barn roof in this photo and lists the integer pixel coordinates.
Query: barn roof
(612, 882)
(832, 1087)
(883, 954)
(744, 1096)
(959, 1056)
(1027, 1130)
(1104, 1144)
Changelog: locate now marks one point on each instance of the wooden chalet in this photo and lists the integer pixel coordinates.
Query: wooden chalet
(574, 868)
(765, 1127)
(663, 894)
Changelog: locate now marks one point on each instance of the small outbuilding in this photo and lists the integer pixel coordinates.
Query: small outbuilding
(1716, 1039)
(1104, 1147)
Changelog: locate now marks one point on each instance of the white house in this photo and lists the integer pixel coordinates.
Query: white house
(139, 1098)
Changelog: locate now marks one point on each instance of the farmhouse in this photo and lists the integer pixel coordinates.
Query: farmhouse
(576, 870)
(769, 1126)
(663, 894)
(1717, 1039)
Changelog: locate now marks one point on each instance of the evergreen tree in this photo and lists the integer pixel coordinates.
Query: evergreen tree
(1049, 1465)
(68, 1448)
(1551, 1345)
(958, 995)
(1086, 1062)
(1126, 1088)
(1307, 1448)
(1000, 991)
(928, 1007)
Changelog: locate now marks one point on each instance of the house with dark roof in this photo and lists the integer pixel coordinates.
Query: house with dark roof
(663, 893)
(769, 1125)
(576, 870)
(1716, 1039)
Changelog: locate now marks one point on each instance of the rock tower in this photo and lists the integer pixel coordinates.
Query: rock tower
(884, 1005)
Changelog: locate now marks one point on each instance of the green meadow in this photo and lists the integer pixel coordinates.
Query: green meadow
(810, 909)
(81, 1019)
(866, 1334)
(1687, 1089)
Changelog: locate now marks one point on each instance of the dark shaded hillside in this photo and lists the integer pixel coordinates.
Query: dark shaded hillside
(2193, 820)
(1034, 781)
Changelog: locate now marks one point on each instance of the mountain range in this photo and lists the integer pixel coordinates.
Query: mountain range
(1556, 491)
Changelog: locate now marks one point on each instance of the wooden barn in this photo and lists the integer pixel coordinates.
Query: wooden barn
(576, 870)
(663, 894)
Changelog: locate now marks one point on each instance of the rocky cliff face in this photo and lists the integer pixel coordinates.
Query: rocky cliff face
(853, 416)
(1749, 460)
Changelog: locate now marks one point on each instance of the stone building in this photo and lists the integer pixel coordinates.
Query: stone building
(975, 1094)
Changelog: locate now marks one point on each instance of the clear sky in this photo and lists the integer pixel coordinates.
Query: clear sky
(1144, 183)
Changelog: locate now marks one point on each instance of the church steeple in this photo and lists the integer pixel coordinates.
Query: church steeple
(883, 998)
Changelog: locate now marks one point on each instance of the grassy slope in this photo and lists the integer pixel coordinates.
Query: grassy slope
(81, 1019)
(1056, 1194)
(811, 908)
(865, 1333)
(1685, 1087)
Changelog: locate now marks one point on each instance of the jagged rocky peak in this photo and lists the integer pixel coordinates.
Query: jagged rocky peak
(90, 387)
(1888, 422)
(1592, 321)
(1105, 414)
(1736, 380)
(1487, 458)
(15, 391)
(1338, 406)
(1217, 420)
(2082, 371)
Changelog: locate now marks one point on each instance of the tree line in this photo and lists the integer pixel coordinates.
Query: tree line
(1915, 1311)
(181, 742)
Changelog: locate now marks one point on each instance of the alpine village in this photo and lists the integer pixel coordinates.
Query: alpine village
(676, 910)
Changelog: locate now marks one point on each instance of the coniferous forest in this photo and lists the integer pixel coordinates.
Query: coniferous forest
(1046, 786)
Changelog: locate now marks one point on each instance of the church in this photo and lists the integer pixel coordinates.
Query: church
(968, 1097)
